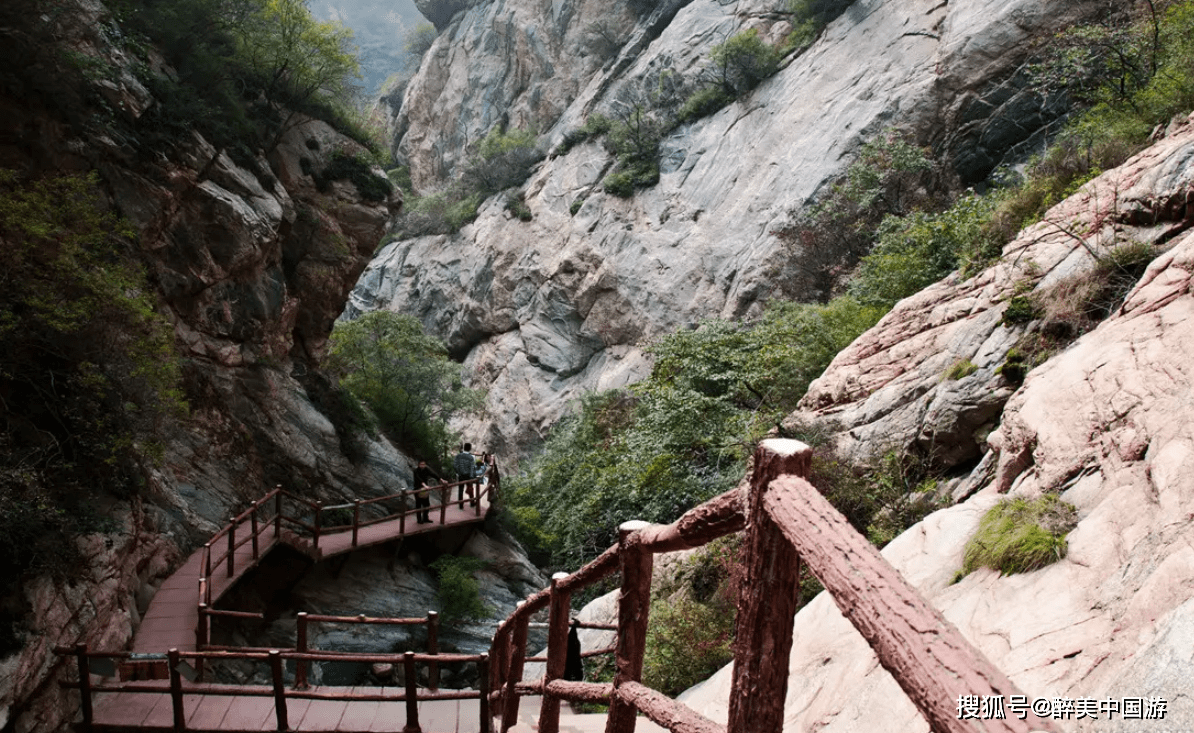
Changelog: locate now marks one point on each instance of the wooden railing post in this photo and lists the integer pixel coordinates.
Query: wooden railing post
(202, 636)
(412, 691)
(445, 493)
(253, 528)
(180, 718)
(517, 656)
(84, 686)
(278, 513)
(557, 650)
(433, 648)
(231, 547)
(207, 560)
(301, 665)
(318, 521)
(275, 666)
(483, 684)
(402, 517)
(356, 520)
(766, 604)
(931, 661)
(634, 606)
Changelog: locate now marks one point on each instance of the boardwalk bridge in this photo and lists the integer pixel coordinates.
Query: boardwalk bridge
(159, 685)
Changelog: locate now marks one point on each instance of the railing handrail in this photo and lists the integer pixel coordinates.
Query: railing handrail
(786, 520)
(211, 561)
(278, 690)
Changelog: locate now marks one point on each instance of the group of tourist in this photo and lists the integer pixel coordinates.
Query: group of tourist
(470, 472)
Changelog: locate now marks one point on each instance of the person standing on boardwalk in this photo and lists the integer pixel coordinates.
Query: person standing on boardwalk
(466, 469)
(424, 478)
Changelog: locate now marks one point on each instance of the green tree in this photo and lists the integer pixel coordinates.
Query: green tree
(459, 593)
(418, 42)
(404, 376)
(890, 176)
(501, 160)
(89, 379)
(298, 61)
(742, 61)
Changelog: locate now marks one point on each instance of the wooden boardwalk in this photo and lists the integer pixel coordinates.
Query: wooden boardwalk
(178, 618)
(173, 614)
(153, 711)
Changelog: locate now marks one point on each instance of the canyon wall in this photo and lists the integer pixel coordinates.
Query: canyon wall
(1103, 424)
(544, 310)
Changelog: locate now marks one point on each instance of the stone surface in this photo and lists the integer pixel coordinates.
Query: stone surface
(545, 310)
(1104, 424)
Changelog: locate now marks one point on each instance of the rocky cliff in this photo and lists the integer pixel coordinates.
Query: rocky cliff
(545, 309)
(251, 261)
(1104, 424)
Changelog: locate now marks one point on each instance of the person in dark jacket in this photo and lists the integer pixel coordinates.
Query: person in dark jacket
(425, 478)
(574, 670)
(465, 464)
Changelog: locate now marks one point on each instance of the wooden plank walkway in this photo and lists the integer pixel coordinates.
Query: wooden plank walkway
(173, 614)
(153, 711)
(172, 619)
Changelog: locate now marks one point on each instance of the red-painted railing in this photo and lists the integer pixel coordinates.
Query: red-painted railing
(278, 689)
(786, 522)
(477, 492)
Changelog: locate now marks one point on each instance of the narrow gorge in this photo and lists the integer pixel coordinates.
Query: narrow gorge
(236, 219)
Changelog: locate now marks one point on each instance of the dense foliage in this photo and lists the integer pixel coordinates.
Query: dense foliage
(459, 593)
(88, 376)
(243, 70)
(887, 229)
(501, 160)
(403, 376)
(682, 435)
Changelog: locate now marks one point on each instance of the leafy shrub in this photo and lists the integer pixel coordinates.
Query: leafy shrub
(683, 434)
(517, 206)
(226, 51)
(625, 182)
(809, 17)
(686, 642)
(400, 177)
(879, 500)
(917, 250)
(742, 61)
(1015, 366)
(501, 160)
(343, 166)
(403, 375)
(1019, 535)
(828, 238)
(1020, 309)
(88, 373)
(595, 126)
(703, 103)
(459, 592)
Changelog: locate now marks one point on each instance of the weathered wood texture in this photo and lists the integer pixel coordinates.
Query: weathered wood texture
(579, 691)
(767, 600)
(634, 607)
(926, 654)
(557, 648)
(661, 709)
(702, 524)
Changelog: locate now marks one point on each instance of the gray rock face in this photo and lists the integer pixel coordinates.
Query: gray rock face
(1104, 424)
(440, 12)
(546, 309)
